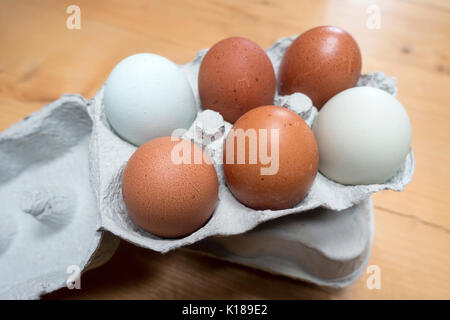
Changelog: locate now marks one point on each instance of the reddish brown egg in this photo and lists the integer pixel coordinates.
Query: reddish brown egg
(166, 195)
(320, 63)
(235, 76)
(276, 174)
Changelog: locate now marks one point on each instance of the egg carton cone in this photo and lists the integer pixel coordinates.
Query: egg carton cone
(319, 246)
(49, 218)
(109, 155)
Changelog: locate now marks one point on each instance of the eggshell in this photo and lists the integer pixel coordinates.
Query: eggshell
(297, 156)
(235, 76)
(148, 96)
(364, 136)
(167, 198)
(320, 63)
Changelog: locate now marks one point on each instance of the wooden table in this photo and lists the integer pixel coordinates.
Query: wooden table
(40, 59)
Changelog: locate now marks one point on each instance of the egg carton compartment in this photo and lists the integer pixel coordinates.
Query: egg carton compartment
(109, 155)
(318, 246)
(48, 213)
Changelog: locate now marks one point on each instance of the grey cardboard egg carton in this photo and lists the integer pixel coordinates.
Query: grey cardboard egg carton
(48, 214)
(109, 155)
(60, 175)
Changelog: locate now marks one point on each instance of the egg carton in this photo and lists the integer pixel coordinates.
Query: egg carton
(56, 209)
(109, 155)
(319, 246)
(49, 220)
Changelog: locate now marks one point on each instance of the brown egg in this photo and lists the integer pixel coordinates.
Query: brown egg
(235, 76)
(270, 177)
(320, 63)
(164, 196)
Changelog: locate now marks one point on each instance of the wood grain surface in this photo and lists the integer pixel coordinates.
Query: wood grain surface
(40, 59)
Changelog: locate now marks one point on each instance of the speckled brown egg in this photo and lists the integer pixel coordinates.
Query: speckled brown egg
(320, 63)
(235, 76)
(281, 176)
(168, 189)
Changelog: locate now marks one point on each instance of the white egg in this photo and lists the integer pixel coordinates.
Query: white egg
(364, 136)
(147, 96)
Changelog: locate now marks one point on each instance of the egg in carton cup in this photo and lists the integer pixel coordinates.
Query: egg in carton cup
(109, 155)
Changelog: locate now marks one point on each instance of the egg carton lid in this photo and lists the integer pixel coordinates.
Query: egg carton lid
(49, 218)
(109, 155)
